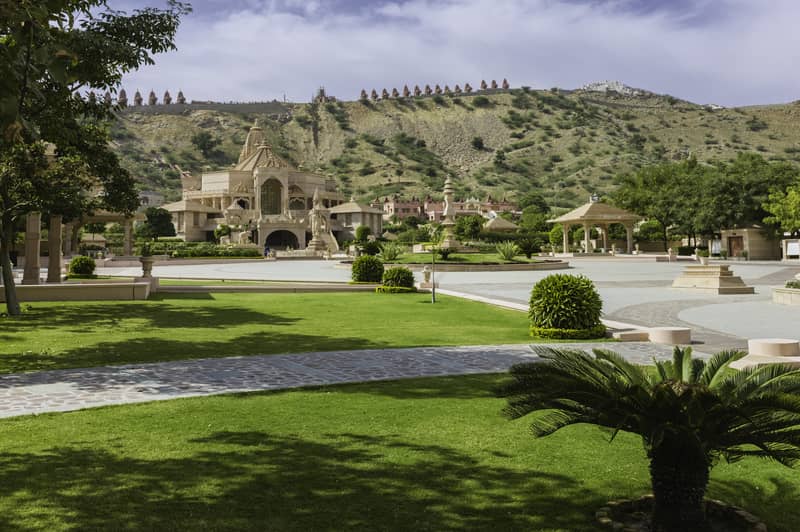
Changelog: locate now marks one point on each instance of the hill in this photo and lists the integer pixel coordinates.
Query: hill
(566, 144)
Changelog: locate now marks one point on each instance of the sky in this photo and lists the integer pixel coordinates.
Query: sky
(727, 52)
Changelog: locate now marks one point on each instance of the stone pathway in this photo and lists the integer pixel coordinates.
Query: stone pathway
(74, 389)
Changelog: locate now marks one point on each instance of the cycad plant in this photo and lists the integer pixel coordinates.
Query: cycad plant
(688, 412)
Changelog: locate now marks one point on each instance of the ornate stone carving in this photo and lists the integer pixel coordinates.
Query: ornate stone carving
(428, 90)
(137, 99)
(437, 89)
(152, 100)
(417, 91)
(406, 91)
(494, 84)
(384, 94)
(374, 94)
(505, 84)
(363, 95)
(122, 98)
(167, 99)
(457, 89)
(467, 88)
(181, 98)
(484, 86)
(395, 94)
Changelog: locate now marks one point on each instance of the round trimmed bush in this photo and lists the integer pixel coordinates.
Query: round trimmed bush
(82, 265)
(398, 276)
(565, 306)
(367, 269)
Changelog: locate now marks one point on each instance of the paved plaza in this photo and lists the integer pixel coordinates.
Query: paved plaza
(74, 389)
(633, 291)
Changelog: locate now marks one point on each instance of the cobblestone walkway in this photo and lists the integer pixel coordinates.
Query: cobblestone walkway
(65, 390)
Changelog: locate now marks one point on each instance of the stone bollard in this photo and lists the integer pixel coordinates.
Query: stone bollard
(426, 277)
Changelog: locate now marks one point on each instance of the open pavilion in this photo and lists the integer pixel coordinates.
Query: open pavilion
(601, 216)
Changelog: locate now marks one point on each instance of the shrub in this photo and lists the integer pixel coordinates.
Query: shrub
(371, 247)
(568, 303)
(477, 143)
(528, 246)
(394, 290)
(481, 101)
(444, 253)
(507, 250)
(391, 251)
(598, 331)
(367, 269)
(793, 284)
(398, 276)
(362, 232)
(82, 266)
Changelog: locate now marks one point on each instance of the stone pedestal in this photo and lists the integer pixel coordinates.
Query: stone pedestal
(317, 245)
(770, 351)
(33, 234)
(716, 279)
(54, 250)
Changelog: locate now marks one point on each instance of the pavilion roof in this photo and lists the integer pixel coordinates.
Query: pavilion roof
(599, 213)
(500, 224)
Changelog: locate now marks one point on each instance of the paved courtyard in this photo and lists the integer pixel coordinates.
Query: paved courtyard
(65, 390)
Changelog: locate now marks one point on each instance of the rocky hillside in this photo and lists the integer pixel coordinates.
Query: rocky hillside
(565, 144)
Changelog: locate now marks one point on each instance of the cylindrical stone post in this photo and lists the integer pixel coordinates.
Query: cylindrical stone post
(54, 250)
(33, 235)
(629, 238)
(586, 234)
(565, 229)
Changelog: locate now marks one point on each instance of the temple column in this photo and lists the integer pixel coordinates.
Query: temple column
(629, 237)
(586, 234)
(33, 234)
(127, 241)
(54, 249)
(565, 230)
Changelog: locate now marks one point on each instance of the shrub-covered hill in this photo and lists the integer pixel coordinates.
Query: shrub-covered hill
(564, 144)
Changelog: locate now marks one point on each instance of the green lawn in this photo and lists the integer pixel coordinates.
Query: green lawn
(425, 454)
(465, 258)
(182, 326)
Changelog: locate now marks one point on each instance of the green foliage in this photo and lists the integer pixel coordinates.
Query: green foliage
(561, 301)
(158, 222)
(391, 251)
(534, 199)
(556, 235)
(547, 333)
(222, 230)
(395, 289)
(477, 143)
(370, 247)
(362, 232)
(81, 265)
(95, 228)
(469, 227)
(481, 101)
(784, 209)
(205, 142)
(398, 276)
(211, 250)
(529, 245)
(689, 413)
(444, 253)
(794, 283)
(367, 269)
(507, 250)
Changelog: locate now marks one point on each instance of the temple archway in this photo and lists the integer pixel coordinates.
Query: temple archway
(282, 239)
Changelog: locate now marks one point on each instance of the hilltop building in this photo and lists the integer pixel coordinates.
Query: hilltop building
(269, 200)
(433, 210)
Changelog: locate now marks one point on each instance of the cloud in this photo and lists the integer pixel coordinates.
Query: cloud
(732, 52)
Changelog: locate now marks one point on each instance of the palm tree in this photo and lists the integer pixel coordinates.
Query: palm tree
(688, 412)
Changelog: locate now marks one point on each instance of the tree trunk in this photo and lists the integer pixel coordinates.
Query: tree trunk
(10, 289)
(679, 476)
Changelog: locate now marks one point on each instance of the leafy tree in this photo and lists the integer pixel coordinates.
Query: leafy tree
(534, 199)
(784, 209)
(688, 412)
(158, 222)
(362, 232)
(469, 227)
(221, 231)
(533, 219)
(205, 142)
(52, 52)
(97, 228)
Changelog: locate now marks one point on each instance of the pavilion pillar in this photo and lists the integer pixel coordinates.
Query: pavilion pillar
(54, 249)
(33, 234)
(565, 229)
(629, 237)
(127, 242)
(586, 236)
(604, 230)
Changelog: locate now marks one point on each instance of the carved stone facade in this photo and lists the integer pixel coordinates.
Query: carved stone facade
(263, 195)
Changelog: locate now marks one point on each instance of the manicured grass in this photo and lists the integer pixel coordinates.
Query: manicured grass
(426, 454)
(214, 282)
(465, 258)
(182, 326)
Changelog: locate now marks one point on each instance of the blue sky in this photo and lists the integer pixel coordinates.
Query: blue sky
(730, 52)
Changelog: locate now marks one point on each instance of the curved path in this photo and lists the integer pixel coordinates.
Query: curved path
(75, 389)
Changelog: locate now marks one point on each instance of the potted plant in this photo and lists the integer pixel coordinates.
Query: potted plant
(146, 258)
(702, 256)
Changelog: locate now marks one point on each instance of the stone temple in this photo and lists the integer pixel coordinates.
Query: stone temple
(270, 201)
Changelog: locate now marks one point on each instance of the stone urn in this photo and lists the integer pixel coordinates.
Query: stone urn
(703, 261)
(147, 266)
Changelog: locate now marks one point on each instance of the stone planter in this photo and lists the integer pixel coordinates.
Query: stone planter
(147, 266)
(703, 261)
